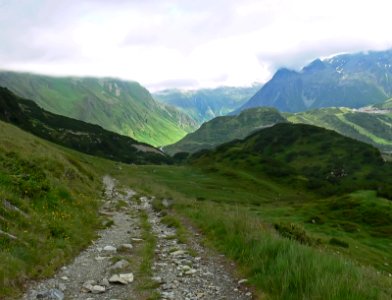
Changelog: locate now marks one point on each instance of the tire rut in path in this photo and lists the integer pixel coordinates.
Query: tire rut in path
(185, 276)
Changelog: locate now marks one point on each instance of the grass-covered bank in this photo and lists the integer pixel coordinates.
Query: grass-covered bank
(283, 268)
(48, 207)
(238, 214)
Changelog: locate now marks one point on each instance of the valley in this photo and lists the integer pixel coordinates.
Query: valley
(205, 104)
(256, 204)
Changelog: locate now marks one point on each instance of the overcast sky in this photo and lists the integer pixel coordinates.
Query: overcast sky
(185, 44)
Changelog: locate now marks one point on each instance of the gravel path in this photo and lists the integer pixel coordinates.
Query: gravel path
(105, 270)
(190, 274)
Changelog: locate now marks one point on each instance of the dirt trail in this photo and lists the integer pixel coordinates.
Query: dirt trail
(107, 268)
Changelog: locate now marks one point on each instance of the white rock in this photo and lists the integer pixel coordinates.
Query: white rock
(125, 247)
(88, 286)
(137, 240)
(105, 282)
(190, 272)
(65, 278)
(99, 258)
(128, 277)
(117, 279)
(109, 249)
(242, 281)
(157, 279)
(98, 289)
(178, 253)
(184, 268)
(120, 265)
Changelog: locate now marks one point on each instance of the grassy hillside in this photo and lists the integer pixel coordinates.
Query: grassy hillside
(372, 128)
(119, 106)
(81, 136)
(48, 207)
(227, 128)
(206, 104)
(305, 156)
(327, 248)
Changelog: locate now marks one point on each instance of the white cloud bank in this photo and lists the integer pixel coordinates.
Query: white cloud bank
(186, 44)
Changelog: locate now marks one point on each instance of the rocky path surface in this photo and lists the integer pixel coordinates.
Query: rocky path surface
(106, 269)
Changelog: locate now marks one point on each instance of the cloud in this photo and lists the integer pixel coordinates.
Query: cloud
(183, 43)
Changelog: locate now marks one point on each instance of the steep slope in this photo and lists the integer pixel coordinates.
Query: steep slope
(49, 198)
(206, 104)
(305, 156)
(369, 127)
(226, 128)
(385, 105)
(120, 106)
(350, 80)
(81, 136)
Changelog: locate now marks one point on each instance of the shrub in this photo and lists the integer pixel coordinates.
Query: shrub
(337, 242)
(294, 232)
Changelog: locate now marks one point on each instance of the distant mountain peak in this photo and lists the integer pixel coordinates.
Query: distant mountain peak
(315, 66)
(351, 80)
(284, 73)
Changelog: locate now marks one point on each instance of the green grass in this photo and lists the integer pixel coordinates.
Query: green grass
(148, 253)
(225, 129)
(236, 208)
(375, 129)
(237, 215)
(47, 195)
(147, 256)
(78, 135)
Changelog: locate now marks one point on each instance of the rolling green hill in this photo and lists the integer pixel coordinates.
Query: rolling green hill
(206, 104)
(369, 127)
(317, 158)
(81, 136)
(226, 128)
(120, 106)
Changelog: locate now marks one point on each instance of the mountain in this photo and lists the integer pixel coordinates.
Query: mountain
(206, 104)
(369, 125)
(304, 155)
(387, 105)
(226, 128)
(366, 124)
(349, 80)
(120, 106)
(78, 135)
